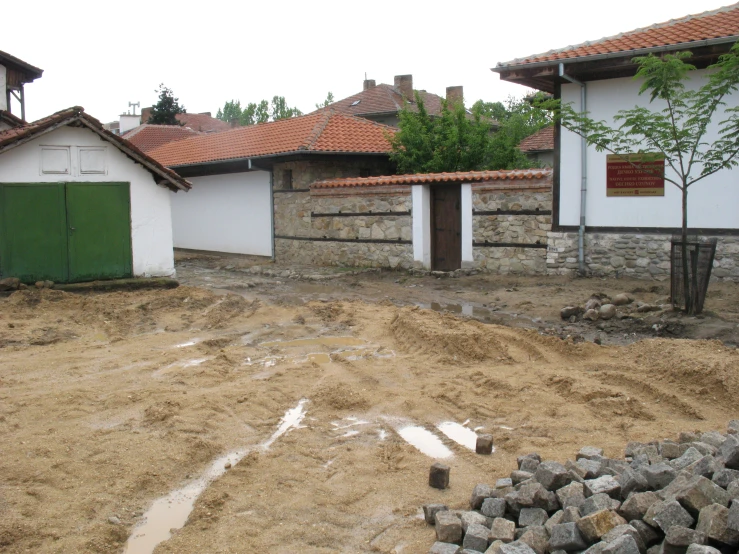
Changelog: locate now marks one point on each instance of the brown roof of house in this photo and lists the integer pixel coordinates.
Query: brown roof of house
(32, 72)
(430, 178)
(324, 131)
(76, 116)
(382, 99)
(200, 122)
(147, 137)
(10, 119)
(541, 141)
(715, 24)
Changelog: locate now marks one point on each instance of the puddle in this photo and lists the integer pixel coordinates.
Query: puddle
(482, 313)
(171, 511)
(425, 441)
(459, 434)
(191, 342)
(318, 341)
(181, 364)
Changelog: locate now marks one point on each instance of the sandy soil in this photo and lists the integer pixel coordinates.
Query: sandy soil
(110, 401)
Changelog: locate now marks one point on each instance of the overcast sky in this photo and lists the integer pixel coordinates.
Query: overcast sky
(105, 53)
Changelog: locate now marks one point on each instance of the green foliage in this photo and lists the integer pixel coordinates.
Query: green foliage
(458, 140)
(674, 126)
(257, 113)
(325, 104)
(164, 112)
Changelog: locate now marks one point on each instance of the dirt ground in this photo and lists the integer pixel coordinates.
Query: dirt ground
(110, 401)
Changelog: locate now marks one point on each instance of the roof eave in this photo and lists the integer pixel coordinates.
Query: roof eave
(277, 155)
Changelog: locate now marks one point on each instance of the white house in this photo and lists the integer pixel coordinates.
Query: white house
(78, 203)
(627, 230)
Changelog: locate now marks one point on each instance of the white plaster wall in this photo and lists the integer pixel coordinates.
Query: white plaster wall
(3, 88)
(151, 222)
(712, 203)
(127, 122)
(225, 213)
(421, 210)
(466, 207)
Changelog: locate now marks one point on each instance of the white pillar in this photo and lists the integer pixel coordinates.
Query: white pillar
(421, 206)
(3, 89)
(466, 207)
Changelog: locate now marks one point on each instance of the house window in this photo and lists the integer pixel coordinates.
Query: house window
(55, 160)
(287, 179)
(92, 160)
(364, 172)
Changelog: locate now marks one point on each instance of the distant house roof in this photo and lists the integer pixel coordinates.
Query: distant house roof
(697, 33)
(201, 122)
(435, 178)
(147, 137)
(10, 119)
(382, 99)
(76, 117)
(324, 132)
(541, 141)
(27, 72)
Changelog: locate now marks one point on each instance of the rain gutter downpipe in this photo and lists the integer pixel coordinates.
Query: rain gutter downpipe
(583, 173)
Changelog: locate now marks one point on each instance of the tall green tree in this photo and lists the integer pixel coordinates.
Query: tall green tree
(255, 113)
(280, 109)
(326, 103)
(165, 111)
(673, 127)
(231, 111)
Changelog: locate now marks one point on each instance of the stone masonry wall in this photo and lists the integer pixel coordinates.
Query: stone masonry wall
(525, 228)
(635, 255)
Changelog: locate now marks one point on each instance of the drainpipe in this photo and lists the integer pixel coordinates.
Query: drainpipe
(271, 209)
(583, 172)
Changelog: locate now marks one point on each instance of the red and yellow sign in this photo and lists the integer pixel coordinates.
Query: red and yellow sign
(635, 175)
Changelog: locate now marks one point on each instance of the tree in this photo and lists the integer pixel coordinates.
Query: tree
(165, 111)
(280, 109)
(458, 140)
(257, 113)
(326, 103)
(232, 110)
(674, 130)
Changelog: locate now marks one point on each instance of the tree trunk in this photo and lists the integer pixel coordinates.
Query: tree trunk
(687, 289)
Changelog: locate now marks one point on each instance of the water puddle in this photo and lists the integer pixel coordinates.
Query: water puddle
(425, 441)
(480, 313)
(459, 434)
(318, 341)
(171, 511)
(181, 364)
(191, 342)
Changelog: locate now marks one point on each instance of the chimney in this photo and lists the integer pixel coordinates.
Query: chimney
(145, 114)
(404, 84)
(368, 84)
(128, 121)
(454, 95)
(234, 122)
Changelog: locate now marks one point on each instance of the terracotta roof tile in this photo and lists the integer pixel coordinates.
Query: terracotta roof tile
(147, 137)
(10, 138)
(457, 177)
(11, 119)
(541, 141)
(715, 24)
(382, 99)
(323, 131)
(202, 122)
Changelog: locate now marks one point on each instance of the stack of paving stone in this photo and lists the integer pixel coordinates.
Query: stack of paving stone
(669, 497)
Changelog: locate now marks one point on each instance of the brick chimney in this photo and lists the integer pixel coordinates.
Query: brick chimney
(368, 84)
(454, 95)
(404, 84)
(234, 122)
(145, 114)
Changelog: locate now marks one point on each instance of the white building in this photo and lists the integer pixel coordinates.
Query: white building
(628, 231)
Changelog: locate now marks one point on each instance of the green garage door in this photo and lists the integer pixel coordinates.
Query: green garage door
(65, 231)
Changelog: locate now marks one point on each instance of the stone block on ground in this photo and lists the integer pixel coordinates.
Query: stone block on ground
(493, 507)
(479, 494)
(622, 299)
(570, 515)
(552, 475)
(473, 518)
(625, 544)
(670, 513)
(649, 535)
(688, 436)
(519, 476)
(443, 548)
(494, 547)
(595, 525)
(701, 493)
(589, 452)
(430, 510)
(733, 427)
(476, 538)
(714, 438)
(659, 475)
(516, 548)
(589, 469)
(537, 538)
(704, 448)
(637, 505)
(730, 451)
(556, 519)
(669, 450)
(678, 539)
(597, 502)
(733, 489)
(568, 311)
(484, 444)
(706, 466)
(597, 548)
(632, 481)
(448, 527)
(439, 476)
(501, 530)
(713, 522)
(605, 484)
(503, 483)
(571, 495)
(723, 477)
(691, 455)
(607, 311)
(702, 549)
(529, 464)
(9, 283)
(625, 529)
(732, 520)
(566, 536)
(532, 516)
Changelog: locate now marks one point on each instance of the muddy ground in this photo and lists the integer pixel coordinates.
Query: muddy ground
(110, 401)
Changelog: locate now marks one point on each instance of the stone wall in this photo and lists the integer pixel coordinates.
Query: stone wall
(525, 219)
(644, 256)
(307, 172)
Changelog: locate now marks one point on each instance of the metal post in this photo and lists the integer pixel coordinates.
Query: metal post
(23, 103)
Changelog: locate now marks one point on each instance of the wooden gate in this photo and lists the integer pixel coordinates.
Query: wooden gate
(446, 228)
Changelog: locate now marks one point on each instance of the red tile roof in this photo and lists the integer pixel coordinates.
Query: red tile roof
(382, 99)
(76, 116)
(541, 141)
(715, 24)
(147, 137)
(457, 177)
(200, 122)
(11, 119)
(323, 131)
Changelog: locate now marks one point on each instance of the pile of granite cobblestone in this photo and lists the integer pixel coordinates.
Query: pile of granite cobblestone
(663, 497)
